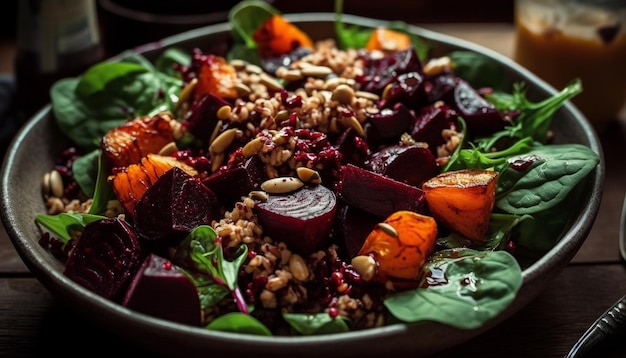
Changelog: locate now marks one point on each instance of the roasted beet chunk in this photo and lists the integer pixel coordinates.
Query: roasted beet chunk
(105, 257)
(408, 89)
(203, 118)
(410, 164)
(377, 194)
(390, 123)
(379, 72)
(231, 183)
(173, 206)
(302, 219)
(160, 289)
(429, 124)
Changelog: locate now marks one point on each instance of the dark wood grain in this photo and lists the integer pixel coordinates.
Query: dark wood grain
(34, 323)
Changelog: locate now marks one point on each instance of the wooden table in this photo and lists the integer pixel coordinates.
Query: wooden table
(34, 323)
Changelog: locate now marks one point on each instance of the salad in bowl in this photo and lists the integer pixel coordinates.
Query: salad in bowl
(274, 183)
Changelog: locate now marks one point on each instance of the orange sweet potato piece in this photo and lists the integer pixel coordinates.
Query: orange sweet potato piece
(216, 77)
(401, 244)
(386, 40)
(133, 140)
(462, 201)
(278, 37)
(131, 183)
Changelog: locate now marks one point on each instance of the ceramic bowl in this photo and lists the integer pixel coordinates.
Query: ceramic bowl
(36, 146)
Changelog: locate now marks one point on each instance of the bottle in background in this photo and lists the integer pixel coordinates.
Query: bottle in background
(55, 39)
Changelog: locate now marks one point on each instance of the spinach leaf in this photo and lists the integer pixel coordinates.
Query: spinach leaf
(108, 94)
(479, 285)
(319, 323)
(103, 191)
(349, 36)
(246, 17)
(553, 172)
(479, 70)
(165, 62)
(64, 225)
(239, 323)
(203, 251)
(85, 172)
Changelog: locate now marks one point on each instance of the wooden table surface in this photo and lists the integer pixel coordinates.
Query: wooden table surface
(34, 323)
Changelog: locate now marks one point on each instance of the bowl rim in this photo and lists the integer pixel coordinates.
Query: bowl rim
(86, 301)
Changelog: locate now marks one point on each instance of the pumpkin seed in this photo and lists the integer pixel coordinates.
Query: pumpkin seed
(168, 149)
(185, 94)
(388, 229)
(343, 94)
(316, 71)
(309, 175)
(224, 112)
(281, 185)
(258, 195)
(365, 266)
(223, 141)
(252, 147)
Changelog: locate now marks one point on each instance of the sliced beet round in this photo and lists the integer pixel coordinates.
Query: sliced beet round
(302, 219)
(410, 164)
(173, 206)
(376, 193)
(105, 256)
(161, 290)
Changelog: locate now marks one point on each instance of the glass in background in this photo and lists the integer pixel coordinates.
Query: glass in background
(560, 40)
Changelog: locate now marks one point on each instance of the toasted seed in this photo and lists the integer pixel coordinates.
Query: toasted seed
(365, 266)
(388, 229)
(186, 92)
(216, 161)
(238, 64)
(309, 175)
(223, 141)
(355, 124)
(45, 183)
(168, 149)
(343, 94)
(270, 82)
(224, 112)
(258, 195)
(437, 66)
(367, 95)
(56, 184)
(242, 89)
(386, 91)
(281, 185)
(252, 147)
(251, 68)
(316, 71)
(298, 267)
(292, 75)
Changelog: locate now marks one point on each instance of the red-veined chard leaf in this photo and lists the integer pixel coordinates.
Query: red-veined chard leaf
(478, 286)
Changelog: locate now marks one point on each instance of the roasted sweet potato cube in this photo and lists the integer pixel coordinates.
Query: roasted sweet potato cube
(462, 201)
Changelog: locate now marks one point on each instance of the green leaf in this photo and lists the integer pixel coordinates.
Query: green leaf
(479, 70)
(479, 286)
(85, 172)
(553, 172)
(349, 36)
(247, 16)
(99, 76)
(319, 323)
(63, 225)
(238, 322)
(103, 191)
(165, 62)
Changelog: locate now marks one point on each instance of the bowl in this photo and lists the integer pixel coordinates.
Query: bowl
(34, 149)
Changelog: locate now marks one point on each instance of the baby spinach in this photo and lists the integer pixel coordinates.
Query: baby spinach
(479, 70)
(553, 172)
(85, 172)
(202, 250)
(319, 323)
(64, 225)
(109, 93)
(239, 323)
(476, 286)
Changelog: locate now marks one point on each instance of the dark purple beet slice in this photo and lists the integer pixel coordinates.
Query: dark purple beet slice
(173, 206)
(377, 194)
(429, 124)
(352, 147)
(392, 122)
(231, 183)
(481, 117)
(302, 219)
(352, 227)
(379, 72)
(161, 290)
(410, 164)
(408, 89)
(203, 117)
(105, 257)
